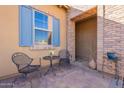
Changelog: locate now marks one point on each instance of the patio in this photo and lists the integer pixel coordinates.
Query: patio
(76, 76)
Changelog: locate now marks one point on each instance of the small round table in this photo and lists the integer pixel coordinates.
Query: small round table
(50, 58)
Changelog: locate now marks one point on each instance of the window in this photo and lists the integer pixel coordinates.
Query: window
(37, 28)
(43, 35)
(41, 20)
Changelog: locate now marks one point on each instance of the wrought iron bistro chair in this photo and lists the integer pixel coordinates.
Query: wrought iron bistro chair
(23, 63)
(64, 56)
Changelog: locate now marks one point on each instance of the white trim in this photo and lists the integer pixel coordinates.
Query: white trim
(40, 12)
(40, 46)
(42, 29)
(52, 29)
(33, 28)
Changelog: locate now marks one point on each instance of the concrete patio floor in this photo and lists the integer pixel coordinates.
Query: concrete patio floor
(78, 75)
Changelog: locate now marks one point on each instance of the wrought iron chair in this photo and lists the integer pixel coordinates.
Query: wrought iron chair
(23, 63)
(64, 56)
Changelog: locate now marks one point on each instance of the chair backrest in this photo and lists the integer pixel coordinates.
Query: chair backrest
(64, 53)
(21, 59)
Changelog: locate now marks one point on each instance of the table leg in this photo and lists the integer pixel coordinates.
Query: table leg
(47, 71)
(40, 67)
(50, 68)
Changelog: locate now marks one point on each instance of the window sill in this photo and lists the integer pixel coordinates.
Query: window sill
(42, 47)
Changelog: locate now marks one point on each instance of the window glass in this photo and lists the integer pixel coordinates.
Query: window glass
(41, 20)
(43, 37)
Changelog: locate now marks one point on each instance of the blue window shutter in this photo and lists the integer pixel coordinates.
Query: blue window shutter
(56, 32)
(25, 19)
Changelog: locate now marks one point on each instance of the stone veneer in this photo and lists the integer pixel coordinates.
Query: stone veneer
(71, 31)
(114, 31)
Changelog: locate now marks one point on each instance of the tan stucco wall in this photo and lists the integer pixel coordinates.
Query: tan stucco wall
(9, 36)
(86, 38)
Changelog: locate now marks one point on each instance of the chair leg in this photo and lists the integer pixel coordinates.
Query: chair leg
(53, 71)
(25, 76)
(40, 71)
(123, 83)
(59, 64)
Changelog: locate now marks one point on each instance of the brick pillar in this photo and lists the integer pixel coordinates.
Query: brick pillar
(72, 12)
(71, 35)
(100, 32)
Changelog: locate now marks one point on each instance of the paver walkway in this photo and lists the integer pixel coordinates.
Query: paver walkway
(77, 75)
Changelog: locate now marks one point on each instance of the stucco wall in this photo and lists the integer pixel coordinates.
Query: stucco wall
(86, 38)
(9, 36)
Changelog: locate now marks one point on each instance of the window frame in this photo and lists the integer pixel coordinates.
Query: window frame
(40, 46)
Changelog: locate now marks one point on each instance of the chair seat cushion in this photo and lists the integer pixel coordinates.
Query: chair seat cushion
(30, 68)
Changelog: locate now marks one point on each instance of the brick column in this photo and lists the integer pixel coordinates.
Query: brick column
(100, 32)
(72, 12)
(71, 35)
